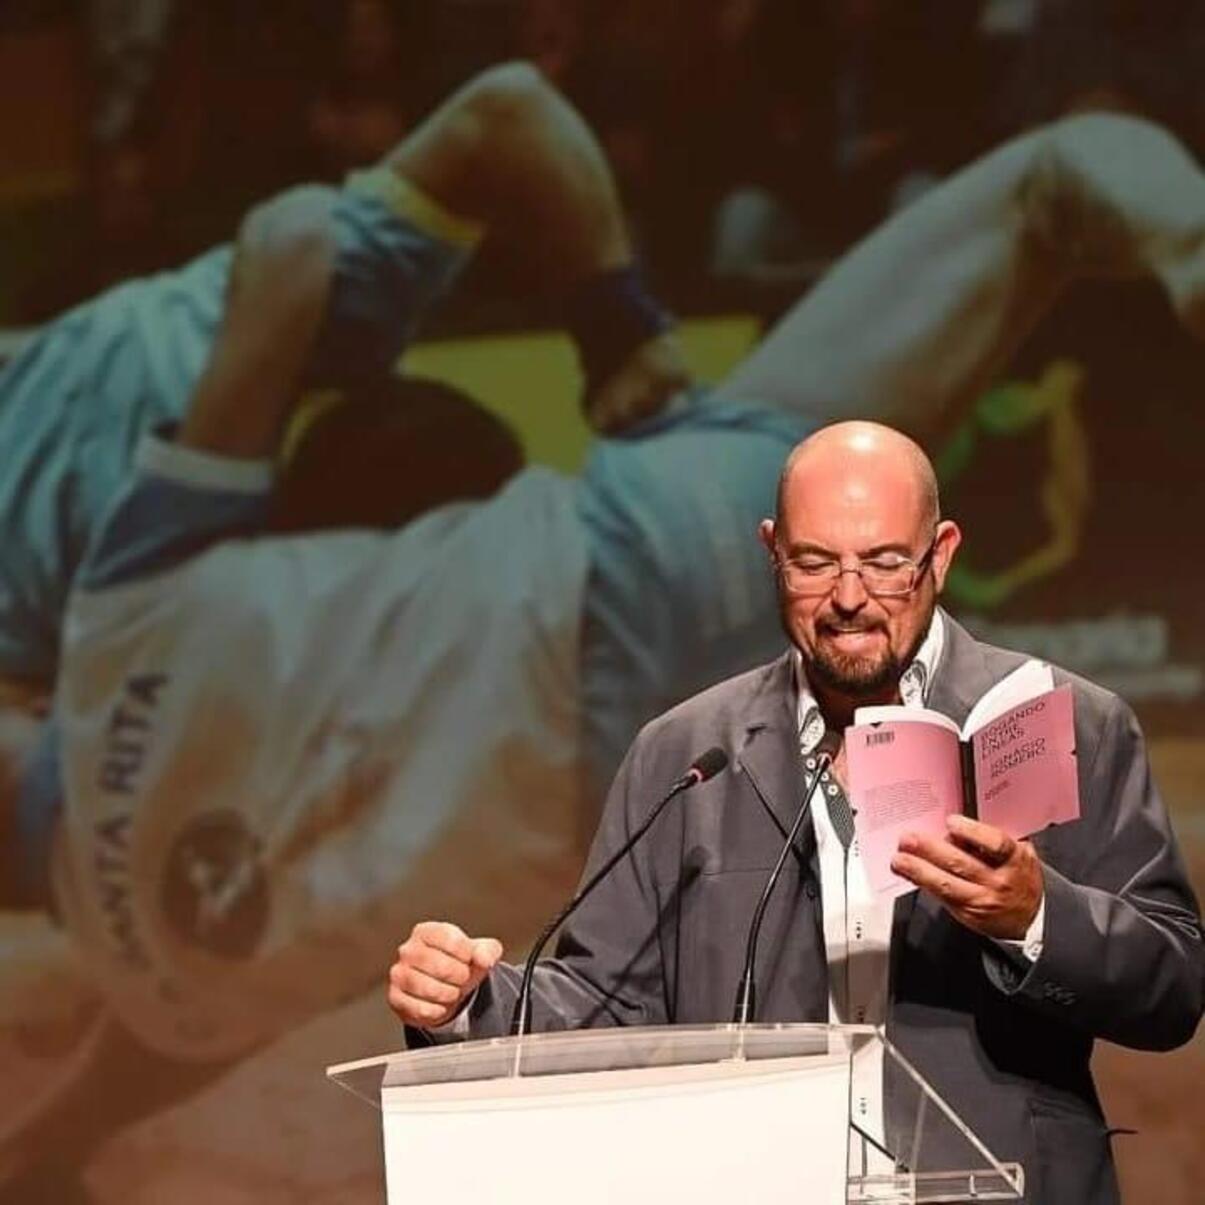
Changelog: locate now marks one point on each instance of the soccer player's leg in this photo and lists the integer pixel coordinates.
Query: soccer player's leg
(941, 295)
(510, 153)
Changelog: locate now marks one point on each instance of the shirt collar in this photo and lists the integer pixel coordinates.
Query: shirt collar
(914, 684)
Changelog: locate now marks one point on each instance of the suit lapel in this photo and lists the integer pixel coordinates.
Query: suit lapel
(768, 753)
(961, 675)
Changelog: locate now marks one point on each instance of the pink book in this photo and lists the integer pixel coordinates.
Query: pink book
(1012, 765)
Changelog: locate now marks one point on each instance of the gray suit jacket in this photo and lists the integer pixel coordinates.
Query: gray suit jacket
(1006, 1043)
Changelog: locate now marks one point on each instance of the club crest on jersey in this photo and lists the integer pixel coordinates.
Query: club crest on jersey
(215, 892)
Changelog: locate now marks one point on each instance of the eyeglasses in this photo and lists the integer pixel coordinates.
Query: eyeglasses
(889, 575)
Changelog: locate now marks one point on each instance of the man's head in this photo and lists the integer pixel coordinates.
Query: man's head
(393, 449)
(858, 496)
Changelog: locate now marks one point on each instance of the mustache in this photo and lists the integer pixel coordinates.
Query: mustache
(836, 626)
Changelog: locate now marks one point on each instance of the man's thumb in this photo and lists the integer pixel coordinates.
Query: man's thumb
(486, 953)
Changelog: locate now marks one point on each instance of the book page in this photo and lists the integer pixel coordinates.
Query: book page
(1026, 682)
(913, 715)
(905, 777)
(1025, 769)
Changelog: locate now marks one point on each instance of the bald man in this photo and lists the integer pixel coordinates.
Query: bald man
(1008, 962)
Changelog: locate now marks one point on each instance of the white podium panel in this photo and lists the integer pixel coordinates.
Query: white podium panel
(771, 1132)
(756, 1113)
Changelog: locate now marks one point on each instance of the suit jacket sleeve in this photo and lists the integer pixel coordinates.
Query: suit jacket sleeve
(607, 969)
(1122, 954)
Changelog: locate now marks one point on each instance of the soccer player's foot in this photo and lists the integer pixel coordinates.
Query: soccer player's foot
(1184, 279)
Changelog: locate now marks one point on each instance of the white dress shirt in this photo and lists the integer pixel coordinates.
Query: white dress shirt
(857, 922)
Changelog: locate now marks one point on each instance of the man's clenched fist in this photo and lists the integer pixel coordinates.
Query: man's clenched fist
(437, 967)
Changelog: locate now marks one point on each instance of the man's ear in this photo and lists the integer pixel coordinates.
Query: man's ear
(945, 545)
(765, 533)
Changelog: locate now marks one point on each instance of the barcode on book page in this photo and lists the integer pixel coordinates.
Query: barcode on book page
(879, 738)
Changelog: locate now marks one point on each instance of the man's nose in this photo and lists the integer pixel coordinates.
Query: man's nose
(849, 593)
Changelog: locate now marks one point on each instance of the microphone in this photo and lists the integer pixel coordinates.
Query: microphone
(705, 766)
(746, 992)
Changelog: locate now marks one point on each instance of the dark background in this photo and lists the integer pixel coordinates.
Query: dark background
(134, 134)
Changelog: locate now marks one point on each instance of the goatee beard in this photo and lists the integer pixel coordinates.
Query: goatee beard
(854, 677)
(859, 678)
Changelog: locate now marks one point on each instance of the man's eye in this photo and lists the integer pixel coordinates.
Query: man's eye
(814, 567)
(884, 564)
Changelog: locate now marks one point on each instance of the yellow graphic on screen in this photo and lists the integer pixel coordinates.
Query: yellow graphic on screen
(531, 380)
(1065, 491)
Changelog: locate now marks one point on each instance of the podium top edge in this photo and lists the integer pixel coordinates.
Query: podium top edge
(630, 1044)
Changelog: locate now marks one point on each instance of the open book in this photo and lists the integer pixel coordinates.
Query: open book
(1012, 765)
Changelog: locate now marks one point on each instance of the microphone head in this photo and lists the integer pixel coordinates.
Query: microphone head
(708, 765)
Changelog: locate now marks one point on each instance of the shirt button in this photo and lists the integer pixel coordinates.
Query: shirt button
(811, 763)
(832, 790)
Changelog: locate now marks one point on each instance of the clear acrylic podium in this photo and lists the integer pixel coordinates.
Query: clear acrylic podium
(668, 1113)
